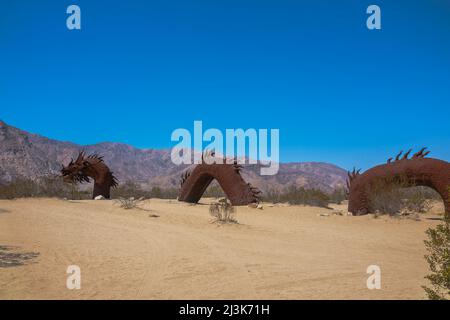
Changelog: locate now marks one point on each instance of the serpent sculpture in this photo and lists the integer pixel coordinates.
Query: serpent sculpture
(239, 192)
(417, 170)
(92, 166)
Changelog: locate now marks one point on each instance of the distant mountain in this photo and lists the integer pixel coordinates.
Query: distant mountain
(24, 154)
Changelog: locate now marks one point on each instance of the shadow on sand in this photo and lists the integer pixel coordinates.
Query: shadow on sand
(9, 258)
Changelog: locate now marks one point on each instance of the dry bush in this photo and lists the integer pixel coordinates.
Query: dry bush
(128, 203)
(386, 202)
(222, 211)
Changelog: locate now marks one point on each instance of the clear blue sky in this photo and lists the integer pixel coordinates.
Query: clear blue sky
(140, 69)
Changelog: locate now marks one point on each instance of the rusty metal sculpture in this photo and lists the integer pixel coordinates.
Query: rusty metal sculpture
(418, 170)
(92, 166)
(239, 192)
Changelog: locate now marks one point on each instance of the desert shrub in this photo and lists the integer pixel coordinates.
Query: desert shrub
(156, 192)
(214, 191)
(386, 201)
(19, 188)
(438, 258)
(299, 195)
(128, 203)
(272, 195)
(56, 187)
(338, 195)
(399, 196)
(128, 190)
(417, 199)
(222, 211)
(163, 193)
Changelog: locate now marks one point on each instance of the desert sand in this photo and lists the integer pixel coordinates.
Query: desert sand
(171, 250)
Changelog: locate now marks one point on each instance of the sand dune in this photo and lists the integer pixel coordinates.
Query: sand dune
(277, 253)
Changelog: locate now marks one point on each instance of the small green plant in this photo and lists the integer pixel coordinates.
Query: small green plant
(222, 211)
(438, 246)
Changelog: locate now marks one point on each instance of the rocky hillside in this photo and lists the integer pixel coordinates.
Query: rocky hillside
(31, 155)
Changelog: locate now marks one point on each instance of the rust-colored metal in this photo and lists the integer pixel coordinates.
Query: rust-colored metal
(92, 166)
(239, 192)
(418, 170)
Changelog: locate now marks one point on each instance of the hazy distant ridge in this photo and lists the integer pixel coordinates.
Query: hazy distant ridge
(32, 155)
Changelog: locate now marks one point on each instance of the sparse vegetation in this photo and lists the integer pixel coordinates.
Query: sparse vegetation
(43, 187)
(55, 187)
(222, 211)
(127, 190)
(214, 191)
(131, 189)
(299, 195)
(338, 195)
(398, 196)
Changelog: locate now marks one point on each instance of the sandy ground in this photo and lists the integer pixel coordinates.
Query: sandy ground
(287, 252)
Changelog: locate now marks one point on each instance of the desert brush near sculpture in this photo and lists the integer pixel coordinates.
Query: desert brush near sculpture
(194, 183)
(417, 170)
(92, 166)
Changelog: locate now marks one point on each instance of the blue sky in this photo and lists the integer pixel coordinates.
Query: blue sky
(140, 69)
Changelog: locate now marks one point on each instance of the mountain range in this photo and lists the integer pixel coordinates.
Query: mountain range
(24, 154)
